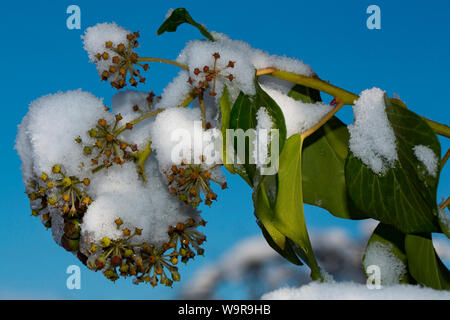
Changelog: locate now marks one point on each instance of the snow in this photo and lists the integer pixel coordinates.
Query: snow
(281, 85)
(354, 291)
(47, 136)
(372, 139)
(199, 53)
(429, 159)
(122, 194)
(94, 40)
(263, 137)
(177, 136)
(23, 147)
(175, 92)
(168, 13)
(122, 103)
(52, 124)
(444, 219)
(298, 116)
(381, 255)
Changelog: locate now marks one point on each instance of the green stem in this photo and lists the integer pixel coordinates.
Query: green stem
(97, 169)
(202, 108)
(322, 121)
(344, 96)
(439, 128)
(137, 120)
(445, 158)
(162, 60)
(187, 100)
(141, 157)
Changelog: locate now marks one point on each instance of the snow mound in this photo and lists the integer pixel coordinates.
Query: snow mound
(355, 291)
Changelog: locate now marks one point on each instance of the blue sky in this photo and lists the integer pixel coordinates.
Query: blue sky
(409, 56)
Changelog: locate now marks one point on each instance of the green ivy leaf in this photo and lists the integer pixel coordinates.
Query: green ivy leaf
(264, 200)
(225, 109)
(262, 99)
(243, 116)
(304, 94)
(289, 217)
(393, 239)
(323, 168)
(405, 196)
(180, 16)
(323, 163)
(424, 264)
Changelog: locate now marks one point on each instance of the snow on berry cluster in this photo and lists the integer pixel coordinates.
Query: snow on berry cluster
(83, 181)
(120, 186)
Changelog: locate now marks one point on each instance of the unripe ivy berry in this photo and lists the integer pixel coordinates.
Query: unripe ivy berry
(118, 222)
(124, 268)
(67, 182)
(167, 282)
(105, 242)
(52, 201)
(93, 133)
(87, 150)
(70, 244)
(116, 261)
(65, 209)
(87, 201)
(175, 275)
(180, 226)
(100, 263)
(109, 137)
(105, 75)
(128, 253)
(56, 168)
